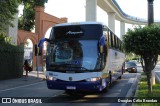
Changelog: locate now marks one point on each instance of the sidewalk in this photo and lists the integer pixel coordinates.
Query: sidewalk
(157, 72)
(32, 78)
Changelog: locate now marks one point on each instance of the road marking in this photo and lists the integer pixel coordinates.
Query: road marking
(20, 86)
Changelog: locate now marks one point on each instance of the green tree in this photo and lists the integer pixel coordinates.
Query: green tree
(144, 42)
(40, 2)
(27, 20)
(4, 38)
(7, 10)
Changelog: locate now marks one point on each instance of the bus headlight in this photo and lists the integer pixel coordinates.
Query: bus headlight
(93, 79)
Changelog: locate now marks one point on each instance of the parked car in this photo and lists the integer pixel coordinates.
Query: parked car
(131, 67)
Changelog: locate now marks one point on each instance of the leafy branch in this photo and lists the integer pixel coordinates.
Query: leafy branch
(27, 20)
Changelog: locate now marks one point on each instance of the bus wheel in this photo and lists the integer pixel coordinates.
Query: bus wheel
(107, 87)
(120, 77)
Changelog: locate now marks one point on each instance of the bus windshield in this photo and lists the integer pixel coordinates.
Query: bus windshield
(73, 55)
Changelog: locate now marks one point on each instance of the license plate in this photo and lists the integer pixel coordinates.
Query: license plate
(71, 87)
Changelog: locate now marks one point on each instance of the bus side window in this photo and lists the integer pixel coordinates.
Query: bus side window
(121, 46)
(118, 46)
(106, 38)
(109, 39)
(115, 42)
(105, 33)
(112, 40)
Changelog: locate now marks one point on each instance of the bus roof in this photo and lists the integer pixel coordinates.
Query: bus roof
(79, 23)
(82, 23)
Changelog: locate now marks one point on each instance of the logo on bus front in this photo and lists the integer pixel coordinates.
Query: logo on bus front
(74, 33)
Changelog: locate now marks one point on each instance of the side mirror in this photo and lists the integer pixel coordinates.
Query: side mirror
(40, 46)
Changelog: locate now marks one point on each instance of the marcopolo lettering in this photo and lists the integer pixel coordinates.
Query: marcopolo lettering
(74, 33)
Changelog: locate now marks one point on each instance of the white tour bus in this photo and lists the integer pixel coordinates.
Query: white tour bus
(85, 56)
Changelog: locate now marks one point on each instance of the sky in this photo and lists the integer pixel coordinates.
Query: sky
(74, 10)
(139, 8)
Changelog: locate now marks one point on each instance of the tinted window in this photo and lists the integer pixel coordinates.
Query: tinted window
(77, 32)
(112, 40)
(128, 64)
(82, 54)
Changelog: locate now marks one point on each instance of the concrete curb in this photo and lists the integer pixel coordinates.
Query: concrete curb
(157, 78)
(132, 89)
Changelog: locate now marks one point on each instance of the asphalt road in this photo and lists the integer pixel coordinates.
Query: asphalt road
(119, 88)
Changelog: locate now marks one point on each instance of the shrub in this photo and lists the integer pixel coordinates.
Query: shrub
(11, 59)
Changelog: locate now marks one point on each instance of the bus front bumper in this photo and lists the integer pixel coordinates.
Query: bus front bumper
(74, 85)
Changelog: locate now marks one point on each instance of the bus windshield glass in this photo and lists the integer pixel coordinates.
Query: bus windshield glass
(91, 32)
(73, 55)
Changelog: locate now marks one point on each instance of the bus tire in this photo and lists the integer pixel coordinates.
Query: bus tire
(120, 77)
(106, 88)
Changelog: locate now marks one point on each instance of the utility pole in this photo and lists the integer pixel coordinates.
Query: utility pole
(150, 12)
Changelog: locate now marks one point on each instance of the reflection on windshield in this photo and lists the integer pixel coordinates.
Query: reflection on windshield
(129, 64)
(62, 55)
(74, 55)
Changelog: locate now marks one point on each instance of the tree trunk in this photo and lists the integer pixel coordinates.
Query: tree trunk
(142, 63)
(149, 61)
(149, 83)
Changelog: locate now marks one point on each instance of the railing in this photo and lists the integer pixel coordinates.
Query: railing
(129, 16)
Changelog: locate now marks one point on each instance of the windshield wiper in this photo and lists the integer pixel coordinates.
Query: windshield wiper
(62, 64)
(80, 67)
(68, 65)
